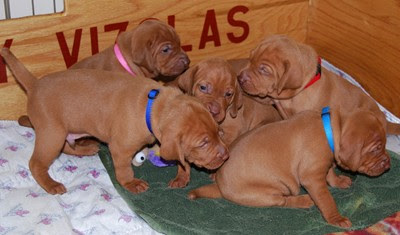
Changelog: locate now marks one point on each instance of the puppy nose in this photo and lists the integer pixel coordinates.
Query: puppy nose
(385, 164)
(214, 108)
(185, 60)
(243, 77)
(222, 153)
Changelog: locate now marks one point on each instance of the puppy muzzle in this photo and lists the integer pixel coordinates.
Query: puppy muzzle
(177, 66)
(377, 167)
(216, 111)
(215, 162)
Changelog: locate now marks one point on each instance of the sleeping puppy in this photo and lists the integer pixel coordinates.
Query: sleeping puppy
(214, 82)
(295, 152)
(290, 73)
(120, 111)
(151, 49)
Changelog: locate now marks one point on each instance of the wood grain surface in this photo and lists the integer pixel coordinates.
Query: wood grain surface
(361, 37)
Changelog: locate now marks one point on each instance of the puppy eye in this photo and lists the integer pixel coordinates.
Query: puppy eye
(228, 94)
(166, 49)
(263, 69)
(204, 142)
(377, 148)
(203, 88)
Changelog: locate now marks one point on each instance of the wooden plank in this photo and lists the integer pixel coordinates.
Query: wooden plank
(362, 38)
(36, 40)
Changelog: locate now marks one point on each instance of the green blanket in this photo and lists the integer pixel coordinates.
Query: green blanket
(169, 211)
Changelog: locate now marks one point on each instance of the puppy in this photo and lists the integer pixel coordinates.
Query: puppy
(290, 73)
(151, 49)
(295, 152)
(120, 111)
(214, 82)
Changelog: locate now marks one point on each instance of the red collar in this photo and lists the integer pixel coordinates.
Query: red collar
(317, 74)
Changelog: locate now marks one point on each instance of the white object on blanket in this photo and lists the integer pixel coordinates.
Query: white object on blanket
(139, 159)
(90, 206)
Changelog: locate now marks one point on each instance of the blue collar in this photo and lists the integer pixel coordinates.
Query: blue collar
(326, 121)
(152, 95)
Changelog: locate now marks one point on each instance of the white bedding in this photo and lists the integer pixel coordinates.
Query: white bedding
(91, 205)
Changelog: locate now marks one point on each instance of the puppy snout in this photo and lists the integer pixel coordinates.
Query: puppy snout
(243, 77)
(385, 164)
(222, 153)
(214, 108)
(185, 60)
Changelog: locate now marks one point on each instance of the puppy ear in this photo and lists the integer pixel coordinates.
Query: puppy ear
(170, 148)
(291, 78)
(186, 80)
(299, 69)
(350, 147)
(237, 101)
(138, 46)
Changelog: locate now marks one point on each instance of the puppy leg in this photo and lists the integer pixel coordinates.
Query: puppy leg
(338, 181)
(182, 177)
(318, 190)
(124, 174)
(267, 197)
(280, 109)
(83, 147)
(206, 191)
(47, 148)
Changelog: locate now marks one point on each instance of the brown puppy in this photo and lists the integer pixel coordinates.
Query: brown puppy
(285, 70)
(112, 107)
(151, 49)
(214, 82)
(295, 152)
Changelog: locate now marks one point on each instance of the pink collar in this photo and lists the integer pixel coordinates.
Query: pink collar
(122, 60)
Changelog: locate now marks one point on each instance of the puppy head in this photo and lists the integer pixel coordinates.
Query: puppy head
(214, 83)
(190, 134)
(279, 67)
(156, 48)
(362, 144)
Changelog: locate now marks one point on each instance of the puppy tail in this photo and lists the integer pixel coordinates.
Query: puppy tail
(393, 128)
(21, 73)
(207, 191)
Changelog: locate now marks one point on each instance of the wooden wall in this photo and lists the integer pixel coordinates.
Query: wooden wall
(218, 28)
(362, 37)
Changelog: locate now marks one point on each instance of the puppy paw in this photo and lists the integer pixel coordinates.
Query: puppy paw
(178, 182)
(55, 188)
(341, 181)
(136, 186)
(305, 201)
(340, 221)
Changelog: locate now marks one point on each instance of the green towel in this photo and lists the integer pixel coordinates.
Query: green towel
(169, 211)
